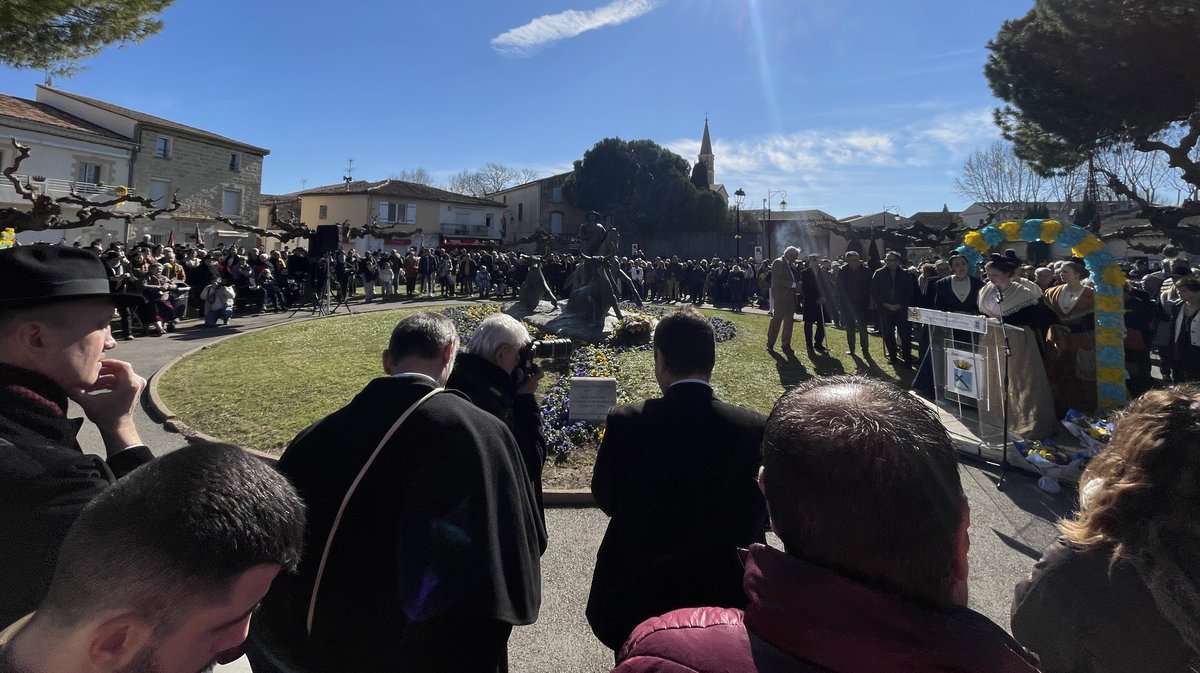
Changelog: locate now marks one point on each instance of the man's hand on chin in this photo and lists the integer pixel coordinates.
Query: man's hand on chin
(110, 402)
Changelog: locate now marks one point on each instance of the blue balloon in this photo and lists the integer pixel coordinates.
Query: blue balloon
(1031, 230)
(992, 235)
(1108, 360)
(1098, 261)
(1110, 320)
(1070, 236)
(1111, 391)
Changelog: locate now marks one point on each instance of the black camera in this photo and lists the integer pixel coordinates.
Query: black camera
(545, 349)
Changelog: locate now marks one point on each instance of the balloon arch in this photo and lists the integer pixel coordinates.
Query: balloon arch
(1110, 283)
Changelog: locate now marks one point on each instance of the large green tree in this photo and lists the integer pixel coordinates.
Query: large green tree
(644, 185)
(56, 34)
(1085, 76)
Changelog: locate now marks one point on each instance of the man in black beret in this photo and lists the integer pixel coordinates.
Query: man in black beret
(55, 311)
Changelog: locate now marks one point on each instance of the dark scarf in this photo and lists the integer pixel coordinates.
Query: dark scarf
(32, 387)
(1167, 557)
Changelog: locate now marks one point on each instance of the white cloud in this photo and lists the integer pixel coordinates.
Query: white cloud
(828, 168)
(525, 40)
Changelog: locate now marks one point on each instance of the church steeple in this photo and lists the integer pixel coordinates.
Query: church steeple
(706, 154)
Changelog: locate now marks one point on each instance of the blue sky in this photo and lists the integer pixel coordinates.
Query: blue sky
(847, 105)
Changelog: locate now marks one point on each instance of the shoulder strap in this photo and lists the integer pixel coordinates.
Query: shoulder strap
(312, 601)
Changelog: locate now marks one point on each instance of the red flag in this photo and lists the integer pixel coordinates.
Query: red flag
(171, 239)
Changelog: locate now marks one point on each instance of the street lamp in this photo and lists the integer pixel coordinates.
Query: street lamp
(738, 197)
(767, 205)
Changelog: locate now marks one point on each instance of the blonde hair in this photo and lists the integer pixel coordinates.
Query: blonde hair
(1149, 474)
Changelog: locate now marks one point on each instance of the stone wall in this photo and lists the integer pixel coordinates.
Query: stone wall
(199, 170)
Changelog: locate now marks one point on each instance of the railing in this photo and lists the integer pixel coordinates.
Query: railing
(55, 187)
(478, 230)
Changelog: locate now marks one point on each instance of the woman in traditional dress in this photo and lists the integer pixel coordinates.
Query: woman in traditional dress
(1120, 590)
(1019, 303)
(1071, 342)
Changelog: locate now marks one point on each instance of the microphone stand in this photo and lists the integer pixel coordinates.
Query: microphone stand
(1004, 383)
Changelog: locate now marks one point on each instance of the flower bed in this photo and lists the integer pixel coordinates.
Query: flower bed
(632, 333)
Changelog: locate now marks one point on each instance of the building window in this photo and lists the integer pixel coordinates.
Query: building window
(235, 162)
(158, 191)
(397, 212)
(323, 213)
(556, 223)
(389, 212)
(162, 148)
(520, 212)
(88, 173)
(231, 202)
(556, 195)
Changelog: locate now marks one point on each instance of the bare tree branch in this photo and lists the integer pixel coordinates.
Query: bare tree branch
(46, 213)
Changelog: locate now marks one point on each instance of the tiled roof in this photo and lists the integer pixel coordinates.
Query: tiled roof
(400, 189)
(40, 113)
(144, 118)
(936, 219)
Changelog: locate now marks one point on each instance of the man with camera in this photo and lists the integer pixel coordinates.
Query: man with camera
(498, 373)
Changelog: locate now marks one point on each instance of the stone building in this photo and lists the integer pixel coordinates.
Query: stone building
(212, 175)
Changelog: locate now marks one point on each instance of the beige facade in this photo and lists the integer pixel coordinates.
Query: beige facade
(413, 215)
(538, 205)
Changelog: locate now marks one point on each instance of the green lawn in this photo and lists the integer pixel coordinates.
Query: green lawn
(260, 389)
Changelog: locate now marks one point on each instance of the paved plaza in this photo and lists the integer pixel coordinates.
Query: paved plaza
(1009, 528)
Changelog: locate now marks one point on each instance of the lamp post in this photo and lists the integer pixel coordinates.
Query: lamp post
(767, 205)
(738, 197)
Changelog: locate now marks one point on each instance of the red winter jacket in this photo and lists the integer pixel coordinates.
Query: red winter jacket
(803, 618)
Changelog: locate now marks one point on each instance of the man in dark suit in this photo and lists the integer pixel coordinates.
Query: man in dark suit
(854, 290)
(423, 541)
(814, 285)
(676, 475)
(892, 288)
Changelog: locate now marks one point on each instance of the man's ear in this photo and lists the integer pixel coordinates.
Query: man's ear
(29, 337)
(117, 641)
(388, 365)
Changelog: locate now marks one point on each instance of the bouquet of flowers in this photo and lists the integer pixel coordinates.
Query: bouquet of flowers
(8, 238)
(1092, 432)
(1052, 461)
(633, 330)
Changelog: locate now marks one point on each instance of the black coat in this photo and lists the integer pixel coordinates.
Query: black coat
(492, 389)
(1078, 614)
(854, 287)
(900, 291)
(45, 481)
(442, 532)
(944, 298)
(677, 475)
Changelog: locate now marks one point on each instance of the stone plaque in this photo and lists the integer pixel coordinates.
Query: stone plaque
(591, 398)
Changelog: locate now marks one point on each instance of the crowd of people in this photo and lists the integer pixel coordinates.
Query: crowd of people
(404, 531)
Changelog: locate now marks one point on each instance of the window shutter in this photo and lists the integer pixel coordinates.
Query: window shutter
(410, 214)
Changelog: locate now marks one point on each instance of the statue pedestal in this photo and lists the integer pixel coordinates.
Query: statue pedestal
(572, 326)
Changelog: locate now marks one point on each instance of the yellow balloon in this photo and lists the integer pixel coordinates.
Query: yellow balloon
(1090, 244)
